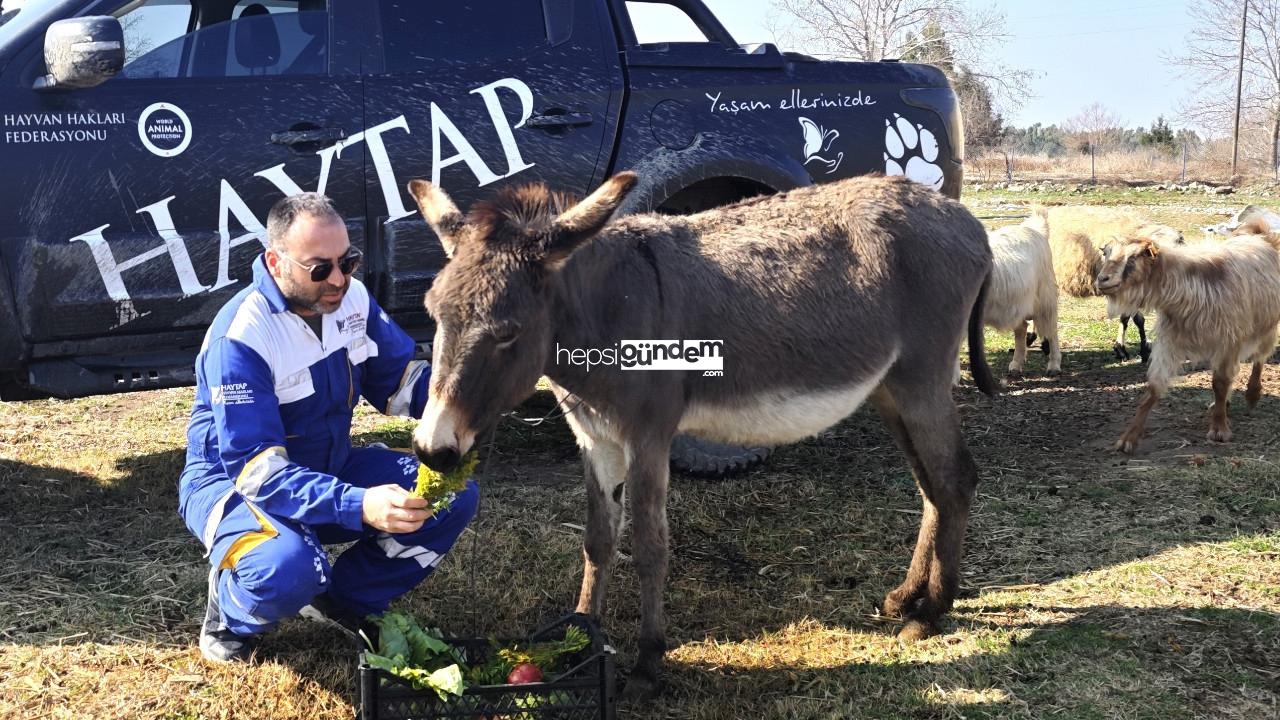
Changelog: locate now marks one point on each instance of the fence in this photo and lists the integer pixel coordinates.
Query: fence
(1205, 162)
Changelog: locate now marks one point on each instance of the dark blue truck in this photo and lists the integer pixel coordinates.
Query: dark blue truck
(142, 143)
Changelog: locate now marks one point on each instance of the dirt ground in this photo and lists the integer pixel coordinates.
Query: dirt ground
(1095, 585)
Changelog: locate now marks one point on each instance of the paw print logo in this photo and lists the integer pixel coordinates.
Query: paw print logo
(911, 151)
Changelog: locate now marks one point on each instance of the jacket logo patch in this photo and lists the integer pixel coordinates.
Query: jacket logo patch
(231, 394)
(352, 324)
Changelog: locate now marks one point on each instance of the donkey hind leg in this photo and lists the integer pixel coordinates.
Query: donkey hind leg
(647, 477)
(918, 574)
(1118, 347)
(927, 427)
(605, 471)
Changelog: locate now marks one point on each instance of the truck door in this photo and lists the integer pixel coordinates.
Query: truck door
(474, 95)
(139, 205)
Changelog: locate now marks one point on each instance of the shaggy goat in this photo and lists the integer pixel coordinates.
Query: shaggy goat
(1023, 288)
(1219, 303)
(1076, 237)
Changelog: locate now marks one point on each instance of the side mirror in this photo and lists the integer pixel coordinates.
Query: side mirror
(82, 52)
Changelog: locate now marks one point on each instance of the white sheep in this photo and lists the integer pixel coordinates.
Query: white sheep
(1244, 216)
(1076, 237)
(1023, 288)
(1215, 302)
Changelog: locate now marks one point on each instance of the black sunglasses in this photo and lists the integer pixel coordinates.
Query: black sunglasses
(321, 271)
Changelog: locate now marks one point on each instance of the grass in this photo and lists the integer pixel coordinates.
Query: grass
(1095, 586)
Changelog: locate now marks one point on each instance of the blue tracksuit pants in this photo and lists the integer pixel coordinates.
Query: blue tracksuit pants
(268, 568)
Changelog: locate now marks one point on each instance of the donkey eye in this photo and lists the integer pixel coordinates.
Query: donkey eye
(506, 335)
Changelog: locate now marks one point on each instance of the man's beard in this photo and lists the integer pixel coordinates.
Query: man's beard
(311, 298)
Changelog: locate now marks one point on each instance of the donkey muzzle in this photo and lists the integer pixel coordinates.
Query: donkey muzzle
(441, 438)
(442, 460)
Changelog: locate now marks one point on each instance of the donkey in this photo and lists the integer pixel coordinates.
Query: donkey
(823, 297)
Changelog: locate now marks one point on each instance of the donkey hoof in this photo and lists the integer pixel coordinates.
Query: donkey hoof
(895, 605)
(1031, 339)
(640, 687)
(916, 630)
(1052, 373)
(1144, 352)
(1121, 352)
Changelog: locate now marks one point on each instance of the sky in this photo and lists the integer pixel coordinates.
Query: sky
(1081, 52)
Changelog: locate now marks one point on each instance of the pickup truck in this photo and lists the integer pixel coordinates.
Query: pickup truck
(142, 143)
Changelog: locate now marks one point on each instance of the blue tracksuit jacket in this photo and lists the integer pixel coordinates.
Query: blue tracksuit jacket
(271, 474)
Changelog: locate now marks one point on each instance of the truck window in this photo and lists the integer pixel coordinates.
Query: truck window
(660, 23)
(418, 34)
(179, 38)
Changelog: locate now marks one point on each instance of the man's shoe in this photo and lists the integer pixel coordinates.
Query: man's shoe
(217, 643)
(224, 646)
(324, 609)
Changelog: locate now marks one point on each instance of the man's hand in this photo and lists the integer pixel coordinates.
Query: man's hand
(391, 508)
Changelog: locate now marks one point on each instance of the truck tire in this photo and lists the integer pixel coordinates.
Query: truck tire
(692, 455)
(706, 459)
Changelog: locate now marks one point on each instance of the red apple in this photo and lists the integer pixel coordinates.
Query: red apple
(523, 674)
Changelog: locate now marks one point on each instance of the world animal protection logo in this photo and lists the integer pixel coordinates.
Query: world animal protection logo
(704, 355)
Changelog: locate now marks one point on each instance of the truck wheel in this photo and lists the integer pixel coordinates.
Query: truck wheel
(703, 458)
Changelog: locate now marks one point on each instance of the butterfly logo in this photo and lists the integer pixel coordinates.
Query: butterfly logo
(818, 140)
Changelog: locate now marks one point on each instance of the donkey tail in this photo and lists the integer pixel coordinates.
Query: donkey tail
(982, 376)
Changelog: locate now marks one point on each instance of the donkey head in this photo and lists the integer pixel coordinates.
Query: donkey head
(491, 303)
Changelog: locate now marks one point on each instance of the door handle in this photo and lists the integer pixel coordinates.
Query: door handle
(321, 136)
(559, 118)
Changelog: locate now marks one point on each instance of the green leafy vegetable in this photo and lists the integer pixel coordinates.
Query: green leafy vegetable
(437, 487)
(422, 657)
(418, 655)
(446, 681)
(544, 655)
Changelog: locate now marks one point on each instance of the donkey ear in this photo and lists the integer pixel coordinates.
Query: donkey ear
(582, 221)
(440, 213)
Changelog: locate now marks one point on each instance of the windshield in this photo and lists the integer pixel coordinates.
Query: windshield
(17, 16)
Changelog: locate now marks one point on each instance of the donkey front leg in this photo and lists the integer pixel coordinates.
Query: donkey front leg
(605, 471)
(647, 478)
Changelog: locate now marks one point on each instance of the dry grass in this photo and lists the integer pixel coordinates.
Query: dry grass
(1095, 586)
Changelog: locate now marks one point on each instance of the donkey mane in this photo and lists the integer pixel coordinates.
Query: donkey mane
(516, 213)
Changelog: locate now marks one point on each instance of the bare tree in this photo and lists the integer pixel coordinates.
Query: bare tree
(873, 30)
(1095, 126)
(1211, 55)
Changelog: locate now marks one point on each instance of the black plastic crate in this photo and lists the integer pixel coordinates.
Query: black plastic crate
(584, 692)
